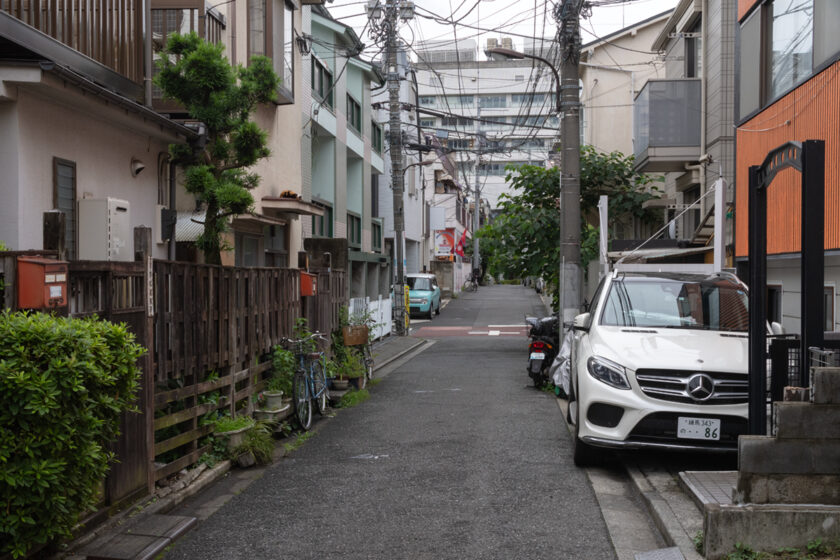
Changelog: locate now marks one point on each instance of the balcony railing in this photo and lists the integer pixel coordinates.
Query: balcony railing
(107, 31)
(666, 125)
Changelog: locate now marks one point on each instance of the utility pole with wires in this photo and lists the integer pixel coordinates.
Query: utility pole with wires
(567, 14)
(386, 30)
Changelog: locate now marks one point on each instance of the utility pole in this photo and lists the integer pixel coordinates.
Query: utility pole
(567, 15)
(386, 31)
(395, 145)
(476, 259)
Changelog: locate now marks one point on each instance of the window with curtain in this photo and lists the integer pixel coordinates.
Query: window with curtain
(257, 28)
(790, 45)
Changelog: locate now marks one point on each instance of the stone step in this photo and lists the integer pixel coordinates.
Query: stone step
(825, 385)
(799, 420)
(768, 455)
(787, 489)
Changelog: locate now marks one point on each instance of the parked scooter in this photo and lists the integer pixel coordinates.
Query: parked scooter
(545, 341)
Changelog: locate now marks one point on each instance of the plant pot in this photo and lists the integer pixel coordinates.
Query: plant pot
(273, 400)
(246, 460)
(340, 384)
(272, 415)
(358, 382)
(235, 438)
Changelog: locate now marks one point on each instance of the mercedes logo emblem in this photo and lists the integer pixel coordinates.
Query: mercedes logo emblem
(701, 387)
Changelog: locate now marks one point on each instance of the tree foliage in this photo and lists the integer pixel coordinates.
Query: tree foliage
(524, 239)
(196, 74)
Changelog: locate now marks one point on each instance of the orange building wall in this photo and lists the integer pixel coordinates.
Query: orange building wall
(810, 112)
(744, 6)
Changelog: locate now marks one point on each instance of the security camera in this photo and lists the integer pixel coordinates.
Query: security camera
(136, 167)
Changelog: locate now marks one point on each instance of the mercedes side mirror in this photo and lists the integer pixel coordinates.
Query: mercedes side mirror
(582, 322)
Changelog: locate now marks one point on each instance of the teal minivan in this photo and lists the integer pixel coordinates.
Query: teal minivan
(423, 294)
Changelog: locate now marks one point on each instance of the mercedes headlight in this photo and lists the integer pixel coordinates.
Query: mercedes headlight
(608, 372)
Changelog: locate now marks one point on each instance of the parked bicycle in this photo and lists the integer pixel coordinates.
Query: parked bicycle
(357, 339)
(310, 381)
(470, 284)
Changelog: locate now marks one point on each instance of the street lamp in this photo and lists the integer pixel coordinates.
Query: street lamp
(516, 55)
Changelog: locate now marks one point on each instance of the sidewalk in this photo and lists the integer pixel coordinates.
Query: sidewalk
(144, 530)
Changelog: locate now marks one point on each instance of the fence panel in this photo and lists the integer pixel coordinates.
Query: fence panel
(215, 328)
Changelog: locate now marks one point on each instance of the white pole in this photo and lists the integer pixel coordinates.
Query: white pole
(603, 215)
(720, 219)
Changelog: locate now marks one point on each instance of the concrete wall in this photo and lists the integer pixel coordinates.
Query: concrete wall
(55, 120)
(785, 272)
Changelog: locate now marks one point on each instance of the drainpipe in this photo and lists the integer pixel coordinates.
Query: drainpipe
(172, 207)
(703, 85)
(147, 53)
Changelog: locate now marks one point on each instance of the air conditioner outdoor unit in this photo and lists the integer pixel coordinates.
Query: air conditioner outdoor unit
(105, 230)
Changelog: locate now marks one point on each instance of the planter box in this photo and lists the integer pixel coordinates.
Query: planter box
(272, 415)
(355, 335)
(339, 384)
(273, 400)
(235, 438)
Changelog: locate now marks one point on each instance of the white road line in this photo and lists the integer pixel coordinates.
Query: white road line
(494, 333)
(477, 332)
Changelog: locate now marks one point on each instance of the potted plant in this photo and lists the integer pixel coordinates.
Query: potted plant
(233, 430)
(257, 445)
(353, 369)
(338, 381)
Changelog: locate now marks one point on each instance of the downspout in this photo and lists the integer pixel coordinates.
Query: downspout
(703, 85)
(147, 54)
(424, 235)
(172, 207)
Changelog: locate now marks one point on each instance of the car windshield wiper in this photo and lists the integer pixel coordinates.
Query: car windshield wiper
(695, 327)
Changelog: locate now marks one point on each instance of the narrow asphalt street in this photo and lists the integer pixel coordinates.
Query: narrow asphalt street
(454, 456)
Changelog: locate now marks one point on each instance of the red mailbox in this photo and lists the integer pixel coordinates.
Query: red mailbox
(308, 284)
(41, 283)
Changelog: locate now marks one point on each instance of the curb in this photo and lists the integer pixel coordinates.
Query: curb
(662, 515)
(400, 354)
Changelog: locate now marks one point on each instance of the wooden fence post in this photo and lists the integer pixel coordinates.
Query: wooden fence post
(146, 337)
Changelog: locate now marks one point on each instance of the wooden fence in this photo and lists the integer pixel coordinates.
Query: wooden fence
(209, 331)
(215, 328)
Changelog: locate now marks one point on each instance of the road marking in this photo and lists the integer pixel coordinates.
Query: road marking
(494, 333)
(369, 456)
(506, 326)
(478, 332)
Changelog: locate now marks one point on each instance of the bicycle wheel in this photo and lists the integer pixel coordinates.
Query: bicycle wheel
(368, 359)
(319, 386)
(303, 405)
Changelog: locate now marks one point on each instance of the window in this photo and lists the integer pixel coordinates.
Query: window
(774, 304)
(376, 137)
(354, 230)
(376, 236)
(354, 114)
(322, 226)
(271, 34)
(288, 49)
(459, 144)
(492, 101)
(276, 252)
(455, 121)
(247, 250)
(427, 123)
(828, 308)
(64, 199)
(790, 43)
(459, 100)
(694, 52)
(374, 192)
(427, 100)
(322, 82)
(527, 99)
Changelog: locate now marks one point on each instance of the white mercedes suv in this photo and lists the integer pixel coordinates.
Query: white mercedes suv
(660, 361)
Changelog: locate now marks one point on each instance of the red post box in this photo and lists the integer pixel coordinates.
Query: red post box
(41, 283)
(308, 284)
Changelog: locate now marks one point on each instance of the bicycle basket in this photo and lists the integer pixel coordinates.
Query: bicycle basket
(355, 335)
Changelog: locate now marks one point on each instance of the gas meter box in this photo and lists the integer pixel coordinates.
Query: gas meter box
(41, 283)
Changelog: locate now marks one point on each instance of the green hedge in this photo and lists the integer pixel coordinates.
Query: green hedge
(63, 385)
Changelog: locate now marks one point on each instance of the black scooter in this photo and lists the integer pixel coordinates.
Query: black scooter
(545, 343)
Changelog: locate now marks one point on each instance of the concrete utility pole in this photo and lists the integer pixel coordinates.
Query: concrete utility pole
(386, 31)
(395, 145)
(567, 15)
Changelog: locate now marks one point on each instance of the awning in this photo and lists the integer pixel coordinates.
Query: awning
(643, 255)
(256, 219)
(285, 205)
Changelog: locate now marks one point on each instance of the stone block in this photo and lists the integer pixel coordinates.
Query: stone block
(767, 455)
(807, 421)
(787, 489)
(766, 527)
(825, 385)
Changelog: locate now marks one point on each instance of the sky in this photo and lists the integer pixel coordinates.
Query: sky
(497, 18)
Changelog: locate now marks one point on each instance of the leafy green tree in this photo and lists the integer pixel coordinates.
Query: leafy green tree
(524, 240)
(196, 74)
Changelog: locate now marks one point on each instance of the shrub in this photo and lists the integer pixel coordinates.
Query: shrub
(228, 424)
(258, 441)
(283, 370)
(63, 385)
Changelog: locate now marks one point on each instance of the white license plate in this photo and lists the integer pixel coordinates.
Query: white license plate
(698, 428)
(537, 356)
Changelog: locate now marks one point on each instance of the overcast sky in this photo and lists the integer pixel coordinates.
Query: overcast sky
(517, 19)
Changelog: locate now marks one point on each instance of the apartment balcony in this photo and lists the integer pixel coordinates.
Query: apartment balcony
(99, 39)
(666, 125)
